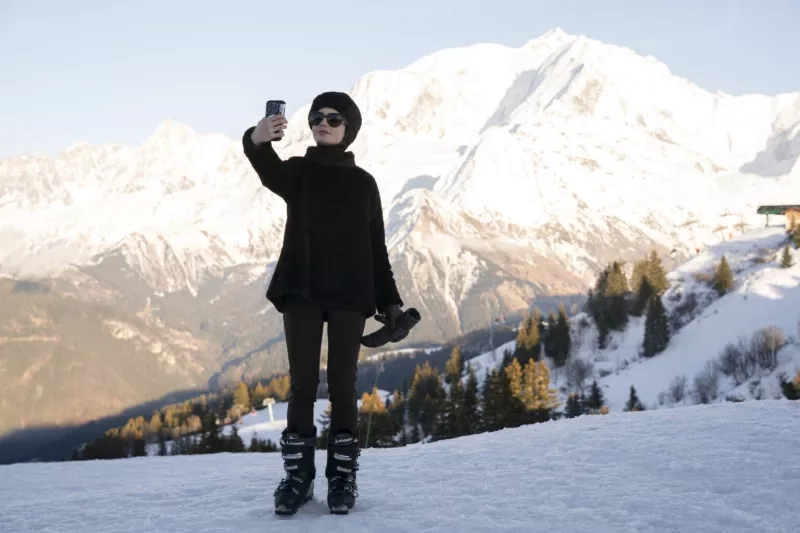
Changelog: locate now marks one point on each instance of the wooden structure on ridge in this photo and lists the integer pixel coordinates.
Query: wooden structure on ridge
(791, 212)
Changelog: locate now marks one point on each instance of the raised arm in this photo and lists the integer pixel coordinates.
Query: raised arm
(271, 169)
(386, 293)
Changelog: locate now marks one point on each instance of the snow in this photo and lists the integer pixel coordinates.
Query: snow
(487, 361)
(258, 424)
(731, 468)
(764, 295)
(400, 352)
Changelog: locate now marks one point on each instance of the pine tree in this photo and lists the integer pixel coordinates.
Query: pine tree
(471, 403)
(540, 328)
(234, 443)
(602, 334)
(791, 389)
(645, 293)
(155, 424)
(211, 441)
(489, 409)
(633, 403)
(656, 274)
(562, 343)
(414, 434)
(550, 337)
(786, 259)
(514, 413)
(425, 399)
(496, 399)
(574, 407)
(608, 303)
(260, 393)
(324, 427)
(638, 274)
(528, 343)
(241, 395)
(454, 368)
(373, 420)
(656, 328)
(638, 280)
(723, 277)
(279, 388)
(796, 237)
(397, 414)
(596, 307)
(616, 291)
(507, 356)
(162, 444)
(523, 331)
(138, 448)
(454, 423)
(451, 422)
(596, 401)
(539, 399)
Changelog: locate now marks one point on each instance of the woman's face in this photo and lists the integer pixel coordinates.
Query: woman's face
(324, 132)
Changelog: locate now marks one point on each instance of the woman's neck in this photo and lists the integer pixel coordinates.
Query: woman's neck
(330, 155)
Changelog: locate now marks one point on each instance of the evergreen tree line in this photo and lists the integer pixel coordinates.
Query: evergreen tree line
(536, 336)
(615, 298)
(444, 405)
(434, 406)
(209, 439)
(181, 423)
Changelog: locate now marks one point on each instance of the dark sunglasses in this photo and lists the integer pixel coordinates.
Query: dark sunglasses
(334, 120)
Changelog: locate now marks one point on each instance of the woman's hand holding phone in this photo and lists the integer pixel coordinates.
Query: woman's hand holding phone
(269, 129)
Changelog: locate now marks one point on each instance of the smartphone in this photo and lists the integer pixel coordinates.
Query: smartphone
(275, 107)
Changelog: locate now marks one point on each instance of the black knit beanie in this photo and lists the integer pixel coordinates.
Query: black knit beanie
(345, 105)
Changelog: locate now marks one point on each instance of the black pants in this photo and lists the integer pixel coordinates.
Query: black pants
(303, 323)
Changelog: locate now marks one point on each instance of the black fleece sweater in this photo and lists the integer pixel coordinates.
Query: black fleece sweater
(334, 248)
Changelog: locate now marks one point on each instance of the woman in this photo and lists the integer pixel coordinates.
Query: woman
(334, 268)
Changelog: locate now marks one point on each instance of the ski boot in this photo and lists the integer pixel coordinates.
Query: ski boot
(297, 487)
(343, 452)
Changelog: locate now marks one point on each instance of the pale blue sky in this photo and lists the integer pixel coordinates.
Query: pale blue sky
(111, 71)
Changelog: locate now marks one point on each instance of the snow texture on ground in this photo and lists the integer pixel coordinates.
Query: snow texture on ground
(717, 468)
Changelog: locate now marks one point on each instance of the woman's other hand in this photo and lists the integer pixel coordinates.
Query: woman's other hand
(389, 315)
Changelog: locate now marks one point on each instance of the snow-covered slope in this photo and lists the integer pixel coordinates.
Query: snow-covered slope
(764, 295)
(648, 472)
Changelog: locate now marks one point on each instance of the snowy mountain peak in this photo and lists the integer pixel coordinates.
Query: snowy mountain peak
(171, 133)
(550, 39)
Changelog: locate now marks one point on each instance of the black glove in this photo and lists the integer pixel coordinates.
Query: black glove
(389, 315)
(385, 335)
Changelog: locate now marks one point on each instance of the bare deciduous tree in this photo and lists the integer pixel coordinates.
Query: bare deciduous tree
(578, 371)
(706, 383)
(677, 389)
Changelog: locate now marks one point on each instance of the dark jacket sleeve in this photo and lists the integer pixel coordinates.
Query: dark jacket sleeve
(271, 169)
(385, 287)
